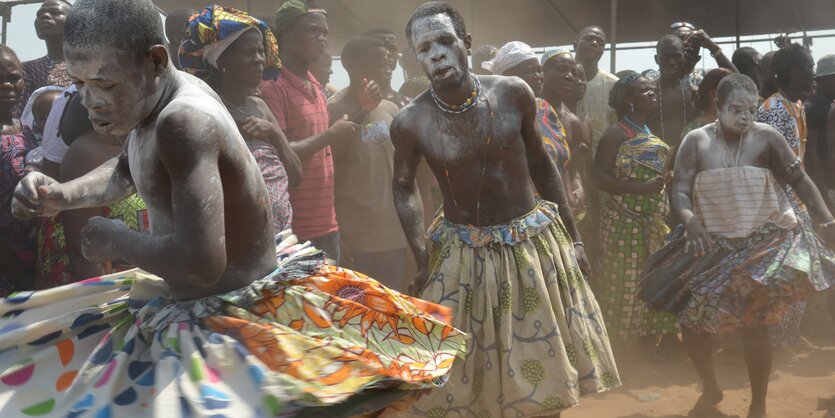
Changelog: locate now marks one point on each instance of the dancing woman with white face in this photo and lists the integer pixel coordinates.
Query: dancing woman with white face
(740, 258)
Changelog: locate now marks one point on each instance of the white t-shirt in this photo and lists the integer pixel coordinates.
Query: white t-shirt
(53, 145)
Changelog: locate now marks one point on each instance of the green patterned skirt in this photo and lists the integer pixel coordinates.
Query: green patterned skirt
(627, 242)
(537, 337)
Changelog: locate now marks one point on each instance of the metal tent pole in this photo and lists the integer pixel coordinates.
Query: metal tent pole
(613, 40)
(737, 18)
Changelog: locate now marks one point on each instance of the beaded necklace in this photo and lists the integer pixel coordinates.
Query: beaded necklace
(470, 103)
(645, 129)
(489, 140)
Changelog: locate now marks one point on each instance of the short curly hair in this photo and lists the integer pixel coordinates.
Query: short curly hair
(734, 82)
(129, 26)
(437, 7)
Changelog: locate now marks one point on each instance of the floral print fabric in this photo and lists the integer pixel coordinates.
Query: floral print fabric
(537, 338)
(305, 338)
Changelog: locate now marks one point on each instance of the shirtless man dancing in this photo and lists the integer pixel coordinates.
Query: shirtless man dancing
(741, 257)
(502, 260)
(230, 327)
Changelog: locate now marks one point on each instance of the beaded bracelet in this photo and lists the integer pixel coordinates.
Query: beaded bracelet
(826, 224)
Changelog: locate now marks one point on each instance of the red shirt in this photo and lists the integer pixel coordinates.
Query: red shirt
(302, 112)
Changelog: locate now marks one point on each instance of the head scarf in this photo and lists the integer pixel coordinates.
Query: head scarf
(509, 56)
(211, 32)
(621, 88)
(551, 53)
(292, 10)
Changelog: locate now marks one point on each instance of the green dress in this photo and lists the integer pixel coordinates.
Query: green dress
(632, 227)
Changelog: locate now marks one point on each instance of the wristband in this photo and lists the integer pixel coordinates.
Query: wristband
(580, 243)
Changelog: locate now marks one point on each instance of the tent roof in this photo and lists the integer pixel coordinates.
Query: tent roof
(555, 22)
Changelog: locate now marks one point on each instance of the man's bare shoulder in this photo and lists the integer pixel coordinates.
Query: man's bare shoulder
(765, 133)
(504, 86)
(702, 133)
(408, 121)
(194, 116)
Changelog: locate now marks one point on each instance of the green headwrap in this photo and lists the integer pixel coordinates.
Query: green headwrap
(292, 10)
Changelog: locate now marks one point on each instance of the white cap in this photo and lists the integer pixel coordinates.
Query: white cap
(509, 56)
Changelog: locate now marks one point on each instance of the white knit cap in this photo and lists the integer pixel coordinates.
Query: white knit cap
(509, 56)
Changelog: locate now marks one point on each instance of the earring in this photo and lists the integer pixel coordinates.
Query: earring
(632, 107)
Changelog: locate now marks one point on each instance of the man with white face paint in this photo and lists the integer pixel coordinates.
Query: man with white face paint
(741, 259)
(502, 260)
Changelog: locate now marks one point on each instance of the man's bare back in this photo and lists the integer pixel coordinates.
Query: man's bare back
(249, 235)
(459, 145)
(211, 226)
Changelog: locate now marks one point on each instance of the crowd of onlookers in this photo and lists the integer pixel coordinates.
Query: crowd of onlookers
(327, 157)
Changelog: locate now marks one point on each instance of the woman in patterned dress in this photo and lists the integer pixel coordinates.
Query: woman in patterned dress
(554, 134)
(631, 166)
(793, 68)
(240, 44)
(16, 140)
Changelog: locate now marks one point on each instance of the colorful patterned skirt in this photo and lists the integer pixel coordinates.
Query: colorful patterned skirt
(306, 339)
(537, 337)
(628, 239)
(750, 281)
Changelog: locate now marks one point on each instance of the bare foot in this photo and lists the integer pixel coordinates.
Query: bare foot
(706, 406)
(756, 411)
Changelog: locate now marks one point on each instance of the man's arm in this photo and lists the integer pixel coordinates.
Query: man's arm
(40, 195)
(195, 253)
(406, 197)
(715, 50)
(812, 158)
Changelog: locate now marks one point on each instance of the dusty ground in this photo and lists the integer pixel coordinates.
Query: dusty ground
(802, 386)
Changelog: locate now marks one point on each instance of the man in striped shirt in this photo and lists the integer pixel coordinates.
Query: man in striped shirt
(297, 101)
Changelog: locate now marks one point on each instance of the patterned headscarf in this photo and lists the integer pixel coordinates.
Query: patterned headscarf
(212, 31)
(621, 88)
(509, 56)
(551, 53)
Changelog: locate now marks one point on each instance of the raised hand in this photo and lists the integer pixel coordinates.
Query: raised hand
(370, 95)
